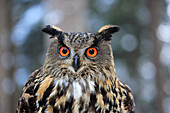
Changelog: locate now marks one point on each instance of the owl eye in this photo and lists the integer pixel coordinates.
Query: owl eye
(64, 51)
(91, 52)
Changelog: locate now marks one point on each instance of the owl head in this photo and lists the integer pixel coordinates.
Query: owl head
(79, 53)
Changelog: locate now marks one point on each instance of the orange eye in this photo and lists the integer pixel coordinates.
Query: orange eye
(64, 51)
(91, 52)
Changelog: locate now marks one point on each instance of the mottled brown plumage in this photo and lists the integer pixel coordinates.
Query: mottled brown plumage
(78, 75)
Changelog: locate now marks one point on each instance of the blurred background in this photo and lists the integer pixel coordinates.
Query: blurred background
(141, 49)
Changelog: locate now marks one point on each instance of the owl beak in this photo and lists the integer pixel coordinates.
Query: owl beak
(76, 62)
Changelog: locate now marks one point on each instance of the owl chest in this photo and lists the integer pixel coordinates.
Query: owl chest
(79, 96)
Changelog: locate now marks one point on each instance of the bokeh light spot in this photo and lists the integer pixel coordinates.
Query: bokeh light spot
(8, 86)
(163, 32)
(128, 42)
(146, 68)
(165, 54)
(20, 76)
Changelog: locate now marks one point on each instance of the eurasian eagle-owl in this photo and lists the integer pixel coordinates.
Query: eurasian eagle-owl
(78, 76)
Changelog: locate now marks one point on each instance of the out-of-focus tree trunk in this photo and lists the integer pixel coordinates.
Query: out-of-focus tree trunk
(70, 15)
(155, 21)
(7, 100)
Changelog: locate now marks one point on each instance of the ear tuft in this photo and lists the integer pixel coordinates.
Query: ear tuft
(52, 30)
(107, 31)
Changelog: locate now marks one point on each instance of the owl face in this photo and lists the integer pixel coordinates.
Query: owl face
(79, 53)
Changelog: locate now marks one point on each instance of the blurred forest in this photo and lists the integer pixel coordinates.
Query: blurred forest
(141, 49)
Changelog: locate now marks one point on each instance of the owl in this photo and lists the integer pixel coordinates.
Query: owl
(78, 76)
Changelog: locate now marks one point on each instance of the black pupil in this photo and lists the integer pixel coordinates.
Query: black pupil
(91, 51)
(64, 51)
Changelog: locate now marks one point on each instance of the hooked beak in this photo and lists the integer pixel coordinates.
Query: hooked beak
(76, 62)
